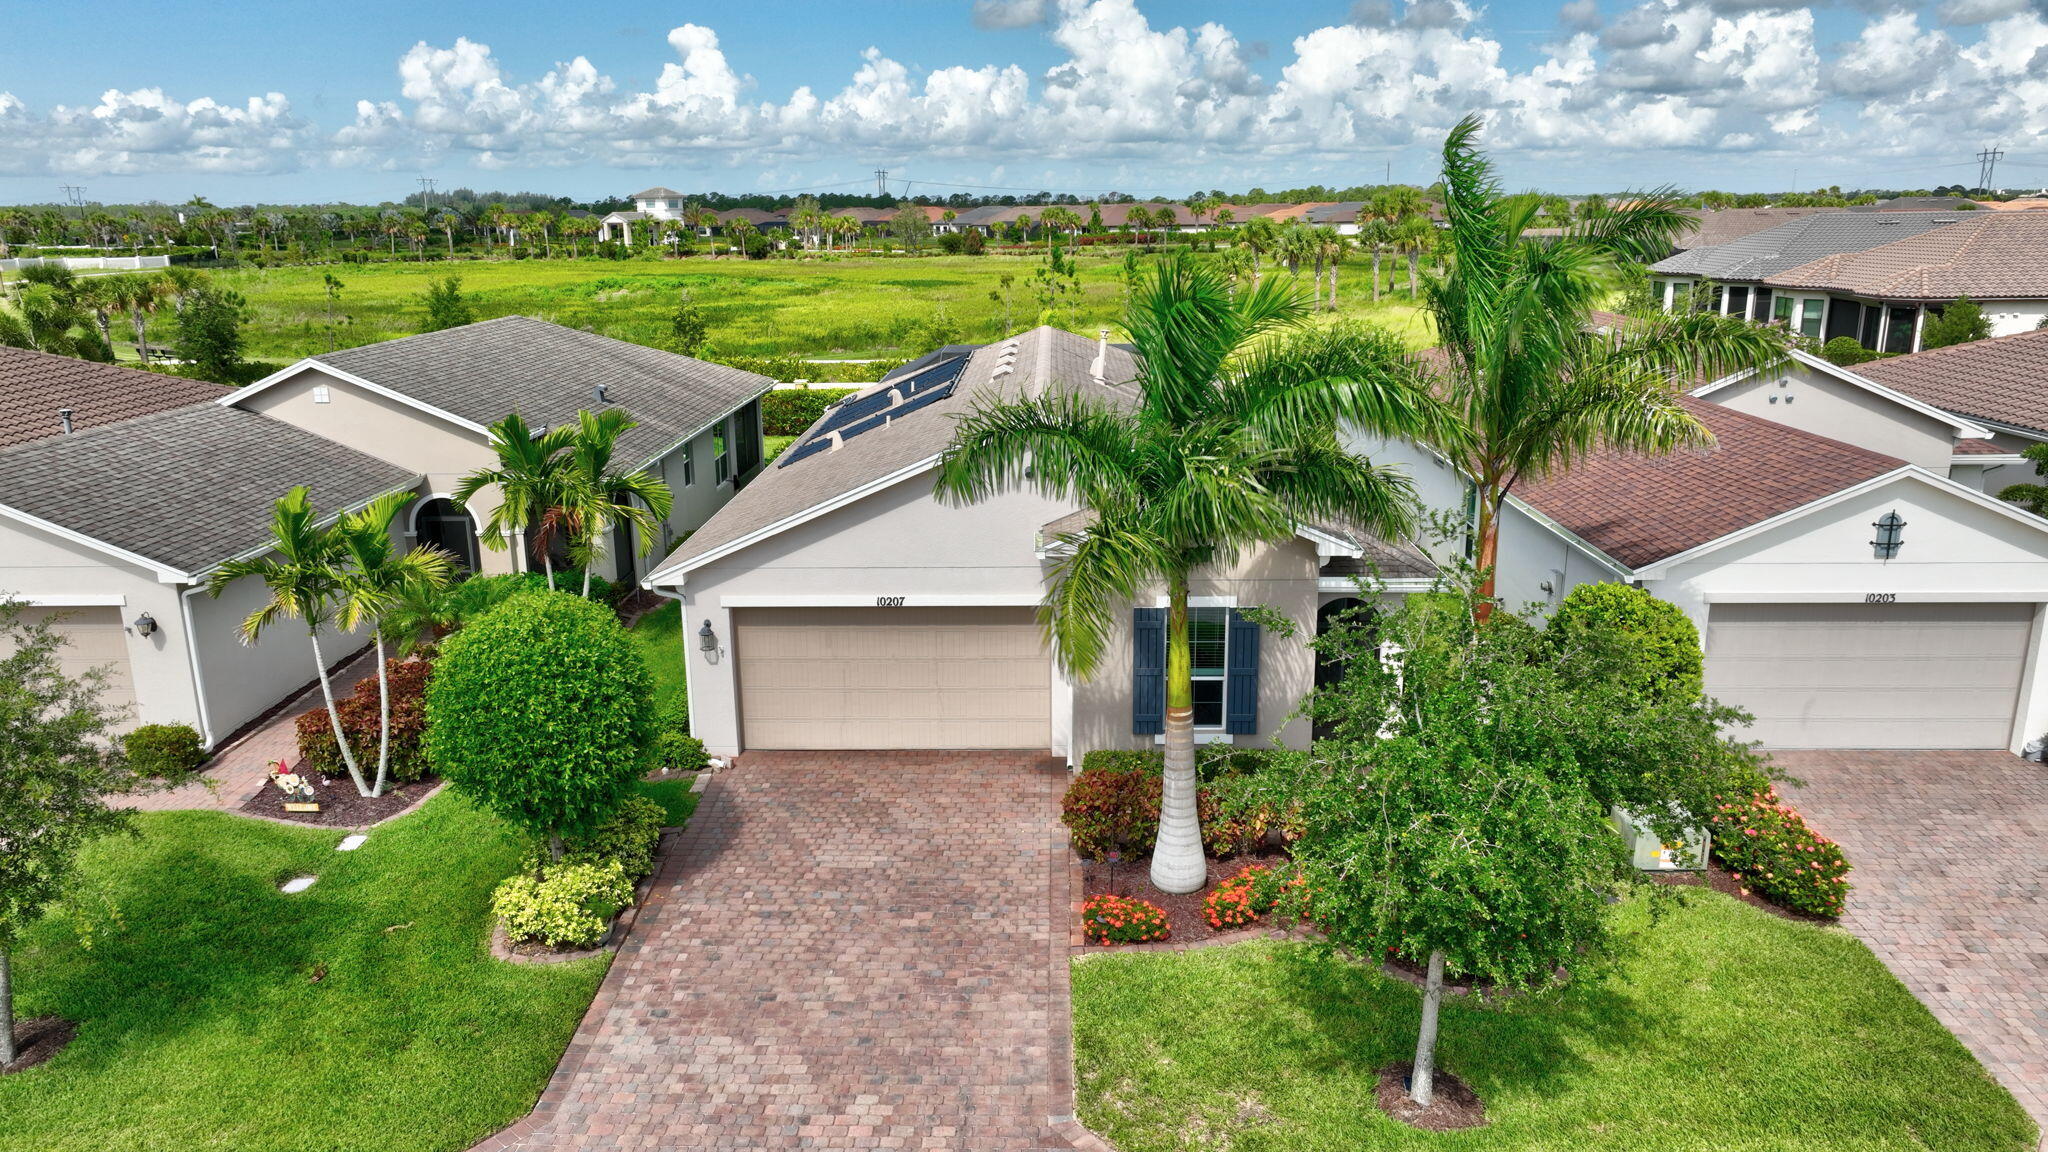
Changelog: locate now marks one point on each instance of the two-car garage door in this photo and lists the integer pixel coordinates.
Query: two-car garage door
(892, 678)
(1871, 675)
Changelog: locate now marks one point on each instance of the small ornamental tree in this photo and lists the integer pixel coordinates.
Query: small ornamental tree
(1959, 323)
(446, 305)
(542, 711)
(53, 777)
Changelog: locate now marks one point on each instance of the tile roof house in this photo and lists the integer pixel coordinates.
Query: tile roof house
(1873, 277)
(117, 523)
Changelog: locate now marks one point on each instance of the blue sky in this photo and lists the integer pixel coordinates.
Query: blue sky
(293, 101)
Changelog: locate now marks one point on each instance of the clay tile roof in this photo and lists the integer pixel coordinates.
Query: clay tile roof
(1803, 241)
(1641, 509)
(2004, 379)
(1984, 255)
(35, 385)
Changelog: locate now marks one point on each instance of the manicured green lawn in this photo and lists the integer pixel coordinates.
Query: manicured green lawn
(365, 1013)
(1722, 1028)
(673, 795)
(851, 306)
(772, 446)
(659, 635)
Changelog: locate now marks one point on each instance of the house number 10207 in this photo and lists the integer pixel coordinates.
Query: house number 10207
(888, 601)
(1880, 597)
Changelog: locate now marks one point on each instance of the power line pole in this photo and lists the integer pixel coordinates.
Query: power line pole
(881, 181)
(74, 195)
(426, 192)
(1987, 166)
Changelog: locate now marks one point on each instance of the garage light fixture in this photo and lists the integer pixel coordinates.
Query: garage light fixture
(145, 625)
(1891, 530)
(707, 642)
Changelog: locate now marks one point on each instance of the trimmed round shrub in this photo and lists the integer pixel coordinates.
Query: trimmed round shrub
(479, 594)
(571, 907)
(1110, 919)
(628, 837)
(167, 750)
(674, 747)
(1767, 845)
(541, 711)
(1653, 643)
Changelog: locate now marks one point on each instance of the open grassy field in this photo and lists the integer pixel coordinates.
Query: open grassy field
(830, 306)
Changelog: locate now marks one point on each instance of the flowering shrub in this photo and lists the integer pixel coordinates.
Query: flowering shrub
(571, 907)
(1236, 902)
(359, 718)
(1112, 808)
(1110, 919)
(1769, 849)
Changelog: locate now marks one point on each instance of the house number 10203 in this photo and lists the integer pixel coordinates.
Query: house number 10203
(888, 601)
(1880, 597)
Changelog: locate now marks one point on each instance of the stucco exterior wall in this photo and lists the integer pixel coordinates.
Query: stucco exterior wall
(2011, 317)
(353, 416)
(1804, 397)
(1954, 550)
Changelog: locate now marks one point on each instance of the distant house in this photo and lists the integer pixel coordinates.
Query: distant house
(649, 204)
(1742, 272)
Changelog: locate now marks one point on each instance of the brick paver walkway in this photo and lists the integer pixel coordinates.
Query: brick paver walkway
(1950, 851)
(242, 768)
(845, 950)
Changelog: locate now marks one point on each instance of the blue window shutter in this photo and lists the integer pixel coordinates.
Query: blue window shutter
(1148, 671)
(1241, 678)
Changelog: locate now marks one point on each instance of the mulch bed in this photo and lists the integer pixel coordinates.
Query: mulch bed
(1455, 1105)
(37, 1040)
(1184, 913)
(1722, 881)
(340, 806)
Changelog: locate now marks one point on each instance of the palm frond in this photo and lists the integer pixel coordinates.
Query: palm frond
(1059, 445)
(1090, 588)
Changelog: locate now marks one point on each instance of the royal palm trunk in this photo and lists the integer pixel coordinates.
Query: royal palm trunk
(348, 758)
(1177, 862)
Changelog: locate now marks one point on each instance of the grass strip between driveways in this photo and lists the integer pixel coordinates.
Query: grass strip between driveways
(217, 1012)
(658, 633)
(1721, 1028)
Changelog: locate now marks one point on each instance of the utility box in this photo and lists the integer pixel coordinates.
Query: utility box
(1649, 853)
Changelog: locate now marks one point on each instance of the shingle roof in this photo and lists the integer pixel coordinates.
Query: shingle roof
(34, 386)
(2003, 379)
(1801, 241)
(547, 373)
(187, 488)
(1641, 509)
(656, 193)
(1983, 255)
(1979, 448)
(1044, 357)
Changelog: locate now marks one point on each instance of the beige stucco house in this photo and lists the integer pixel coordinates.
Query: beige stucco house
(121, 491)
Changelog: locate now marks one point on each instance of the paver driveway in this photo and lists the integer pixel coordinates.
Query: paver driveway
(1950, 851)
(847, 951)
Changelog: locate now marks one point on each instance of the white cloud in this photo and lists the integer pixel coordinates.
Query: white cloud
(1128, 96)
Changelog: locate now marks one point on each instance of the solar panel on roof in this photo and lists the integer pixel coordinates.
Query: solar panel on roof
(868, 425)
(920, 401)
(867, 413)
(811, 447)
(856, 409)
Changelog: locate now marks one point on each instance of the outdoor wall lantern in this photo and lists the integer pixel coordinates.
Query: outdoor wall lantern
(1891, 530)
(145, 625)
(707, 642)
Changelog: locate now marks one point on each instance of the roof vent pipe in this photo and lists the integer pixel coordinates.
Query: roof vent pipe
(601, 393)
(64, 414)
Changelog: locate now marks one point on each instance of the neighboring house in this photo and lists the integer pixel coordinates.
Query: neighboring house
(115, 527)
(425, 403)
(837, 604)
(652, 205)
(1882, 296)
(1725, 225)
(1740, 271)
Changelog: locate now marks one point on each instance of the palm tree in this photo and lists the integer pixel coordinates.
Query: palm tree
(598, 499)
(1375, 235)
(1413, 236)
(740, 231)
(302, 572)
(1232, 445)
(1259, 236)
(530, 481)
(1330, 245)
(377, 580)
(140, 295)
(1533, 386)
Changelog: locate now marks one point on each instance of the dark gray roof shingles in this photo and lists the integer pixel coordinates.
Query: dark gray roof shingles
(1801, 241)
(187, 488)
(35, 385)
(547, 373)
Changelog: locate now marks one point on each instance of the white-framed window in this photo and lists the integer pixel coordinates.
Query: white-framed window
(1811, 311)
(1208, 657)
(1781, 309)
(721, 459)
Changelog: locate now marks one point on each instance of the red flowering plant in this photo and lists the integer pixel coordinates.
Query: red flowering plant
(1234, 903)
(1108, 919)
(1768, 847)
